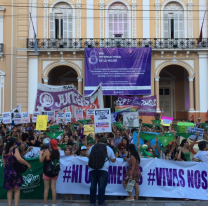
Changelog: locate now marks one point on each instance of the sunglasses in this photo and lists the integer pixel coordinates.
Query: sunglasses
(123, 148)
(84, 150)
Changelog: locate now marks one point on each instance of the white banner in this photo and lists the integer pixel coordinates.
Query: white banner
(60, 117)
(102, 118)
(67, 117)
(25, 117)
(7, 117)
(51, 116)
(159, 178)
(194, 130)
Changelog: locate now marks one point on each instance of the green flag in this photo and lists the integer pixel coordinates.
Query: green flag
(147, 125)
(85, 121)
(53, 135)
(119, 125)
(90, 140)
(156, 122)
(204, 125)
(55, 127)
(62, 146)
(166, 139)
(146, 136)
(175, 127)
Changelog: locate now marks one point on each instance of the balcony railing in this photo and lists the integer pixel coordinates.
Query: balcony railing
(180, 43)
(1, 48)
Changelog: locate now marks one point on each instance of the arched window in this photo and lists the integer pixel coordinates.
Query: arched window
(61, 21)
(118, 20)
(173, 20)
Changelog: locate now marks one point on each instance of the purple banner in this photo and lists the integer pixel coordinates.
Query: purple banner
(147, 105)
(122, 71)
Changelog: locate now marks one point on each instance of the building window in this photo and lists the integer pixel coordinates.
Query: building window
(118, 20)
(173, 21)
(61, 21)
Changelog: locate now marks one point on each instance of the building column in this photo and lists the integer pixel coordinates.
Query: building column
(80, 84)
(32, 83)
(90, 19)
(157, 79)
(146, 19)
(45, 80)
(203, 91)
(191, 93)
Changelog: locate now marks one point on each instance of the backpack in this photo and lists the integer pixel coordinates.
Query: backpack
(98, 156)
(53, 167)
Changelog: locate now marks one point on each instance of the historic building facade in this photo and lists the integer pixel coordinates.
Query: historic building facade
(65, 28)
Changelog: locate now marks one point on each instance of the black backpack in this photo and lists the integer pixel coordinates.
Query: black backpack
(98, 156)
(53, 167)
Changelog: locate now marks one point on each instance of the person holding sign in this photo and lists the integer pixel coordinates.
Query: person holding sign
(133, 172)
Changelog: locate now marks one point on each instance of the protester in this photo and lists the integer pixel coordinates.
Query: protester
(83, 152)
(117, 138)
(12, 177)
(197, 124)
(121, 151)
(24, 148)
(133, 172)
(202, 154)
(51, 155)
(125, 140)
(65, 139)
(99, 157)
(184, 153)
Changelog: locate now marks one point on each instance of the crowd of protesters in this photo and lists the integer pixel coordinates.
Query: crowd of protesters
(17, 140)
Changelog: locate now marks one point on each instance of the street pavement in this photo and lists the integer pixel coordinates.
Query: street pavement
(112, 203)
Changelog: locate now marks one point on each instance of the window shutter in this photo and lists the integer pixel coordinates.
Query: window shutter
(65, 36)
(176, 25)
(52, 25)
(166, 26)
(70, 28)
(181, 25)
(125, 26)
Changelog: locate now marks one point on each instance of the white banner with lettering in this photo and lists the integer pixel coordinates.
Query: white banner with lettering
(159, 178)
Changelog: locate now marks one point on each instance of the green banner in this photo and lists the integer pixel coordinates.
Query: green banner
(166, 139)
(33, 186)
(53, 135)
(146, 136)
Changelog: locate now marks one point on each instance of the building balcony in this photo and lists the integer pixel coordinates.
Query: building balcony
(155, 44)
(1, 48)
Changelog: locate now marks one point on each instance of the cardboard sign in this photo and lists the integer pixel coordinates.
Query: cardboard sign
(17, 118)
(166, 121)
(90, 114)
(7, 117)
(67, 117)
(194, 131)
(25, 117)
(60, 117)
(41, 123)
(35, 114)
(102, 120)
(79, 115)
(51, 116)
(131, 119)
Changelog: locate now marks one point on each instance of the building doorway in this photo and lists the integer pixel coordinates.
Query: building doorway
(174, 92)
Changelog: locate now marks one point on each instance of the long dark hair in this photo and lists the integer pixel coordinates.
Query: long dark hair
(132, 150)
(10, 142)
(55, 154)
(127, 144)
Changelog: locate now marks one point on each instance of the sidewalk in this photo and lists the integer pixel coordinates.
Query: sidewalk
(111, 203)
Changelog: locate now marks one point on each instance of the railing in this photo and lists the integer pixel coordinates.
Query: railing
(1, 47)
(180, 43)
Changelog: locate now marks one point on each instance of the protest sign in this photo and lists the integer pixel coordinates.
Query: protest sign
(79, 115)
(25, 117)
(41, 123)
(131, 119)
(89, 129)
(7, 117)
(114, 117)
(35, 114)
(194, 130)
(166, 121)
(90, 114)
(147, 105)
(67, 116)
(51, 116)
(102, 120)
(117, 68)
(55, 98)
(60, 117)
(17, 118)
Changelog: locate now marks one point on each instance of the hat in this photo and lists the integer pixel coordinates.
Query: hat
(54, 144)
(199, 118)
(83, 148)
(103, 140)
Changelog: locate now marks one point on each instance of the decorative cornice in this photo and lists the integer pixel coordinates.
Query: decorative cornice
(191, 79)
(45, 79)
(45, 5)
(79, 79)
(134, 6)
(157, 6)
(101, 5)
(190, 6)
(78, 5)
(157, 79)
(2, 8)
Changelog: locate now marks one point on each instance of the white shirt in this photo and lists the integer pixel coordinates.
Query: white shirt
(202, 155)
(110, 155)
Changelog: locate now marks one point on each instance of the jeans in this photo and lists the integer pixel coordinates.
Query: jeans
(99, 177)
